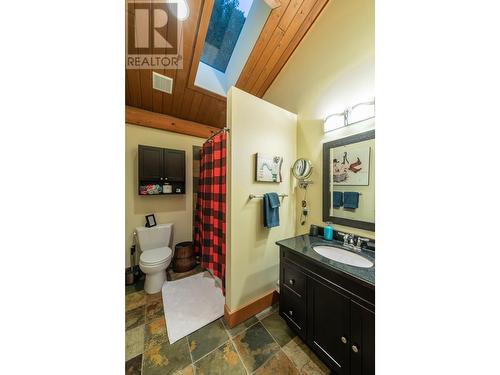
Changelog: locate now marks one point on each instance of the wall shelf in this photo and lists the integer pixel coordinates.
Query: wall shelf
(160, 167)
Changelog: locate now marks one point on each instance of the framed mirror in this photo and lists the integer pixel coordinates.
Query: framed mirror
(302, 169)
(349, 181)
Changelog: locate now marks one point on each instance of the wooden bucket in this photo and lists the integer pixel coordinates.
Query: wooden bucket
(184, 259)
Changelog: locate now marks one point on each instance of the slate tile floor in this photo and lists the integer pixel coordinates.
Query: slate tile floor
(262, 345)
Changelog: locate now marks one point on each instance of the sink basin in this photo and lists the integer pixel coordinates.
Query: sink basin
(343, 256)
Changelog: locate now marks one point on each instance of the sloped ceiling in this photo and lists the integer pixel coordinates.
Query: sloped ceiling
(284, 29)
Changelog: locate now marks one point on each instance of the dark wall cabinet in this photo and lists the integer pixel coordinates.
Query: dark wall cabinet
(164, 167)
(320, 306)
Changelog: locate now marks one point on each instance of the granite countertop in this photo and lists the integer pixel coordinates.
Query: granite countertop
(303, 245)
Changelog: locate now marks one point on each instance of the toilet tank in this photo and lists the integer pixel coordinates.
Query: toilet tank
(154, 237)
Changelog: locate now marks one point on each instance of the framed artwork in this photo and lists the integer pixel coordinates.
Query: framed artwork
(342, 168)
(268, 168)
(150, 221)
(350, 165)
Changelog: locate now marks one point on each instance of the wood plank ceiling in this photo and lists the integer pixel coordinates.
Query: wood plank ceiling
(284, 29)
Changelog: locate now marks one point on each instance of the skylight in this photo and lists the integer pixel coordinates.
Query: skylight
(226, 22)
(226, 50)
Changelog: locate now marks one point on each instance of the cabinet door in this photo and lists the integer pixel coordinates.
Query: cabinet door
(362, 342)
(175, 165)
(328, 325)
(150, 163)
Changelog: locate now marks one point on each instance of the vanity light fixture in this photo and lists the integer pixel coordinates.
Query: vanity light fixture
(351, 115)
(182, 9)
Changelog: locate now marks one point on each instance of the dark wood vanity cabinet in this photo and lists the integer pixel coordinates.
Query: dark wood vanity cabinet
(328, 324)
(337, 325)
(362, 337)
(162, 166)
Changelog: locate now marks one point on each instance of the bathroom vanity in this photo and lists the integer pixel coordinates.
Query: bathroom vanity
(329, 304)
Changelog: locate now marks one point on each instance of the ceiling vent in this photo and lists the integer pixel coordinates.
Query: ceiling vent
(162, 83)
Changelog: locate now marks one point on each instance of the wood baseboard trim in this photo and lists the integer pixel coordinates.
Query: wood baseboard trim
(233, 318)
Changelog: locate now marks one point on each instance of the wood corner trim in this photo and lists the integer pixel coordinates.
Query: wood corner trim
(233, 318)
(141, 117)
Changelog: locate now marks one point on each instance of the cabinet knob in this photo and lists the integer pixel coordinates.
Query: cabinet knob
(290, 313)
(166, 178)
(291, 281)
(161, 178)
(343, 339)
(354, 348)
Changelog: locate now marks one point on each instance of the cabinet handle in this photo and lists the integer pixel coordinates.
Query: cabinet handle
(343, 339)
(291, 281)
(290, 313)
(355, 349)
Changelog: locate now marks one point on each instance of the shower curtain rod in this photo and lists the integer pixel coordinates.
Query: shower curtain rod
(224, 129)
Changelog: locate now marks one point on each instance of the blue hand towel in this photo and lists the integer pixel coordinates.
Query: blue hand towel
(271, 210)
(338, 199)
(351, 199)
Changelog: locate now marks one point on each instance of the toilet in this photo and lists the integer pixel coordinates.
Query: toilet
(156, 254)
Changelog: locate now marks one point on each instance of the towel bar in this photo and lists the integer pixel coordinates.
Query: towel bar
(260, 196)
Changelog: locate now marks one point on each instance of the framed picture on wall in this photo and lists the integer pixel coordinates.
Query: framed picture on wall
(268, 168)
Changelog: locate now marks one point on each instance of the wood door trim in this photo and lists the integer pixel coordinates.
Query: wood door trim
(141, 117)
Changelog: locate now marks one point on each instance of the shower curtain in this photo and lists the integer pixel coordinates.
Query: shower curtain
(210, 216)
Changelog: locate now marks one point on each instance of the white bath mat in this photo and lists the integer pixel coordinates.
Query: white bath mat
(190, 304)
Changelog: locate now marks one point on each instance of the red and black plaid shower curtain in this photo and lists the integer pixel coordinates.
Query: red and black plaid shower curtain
(210, 218)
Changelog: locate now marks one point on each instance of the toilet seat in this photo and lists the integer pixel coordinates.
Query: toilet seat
(156, 256)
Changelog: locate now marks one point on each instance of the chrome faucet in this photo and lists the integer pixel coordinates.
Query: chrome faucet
(348, 240)
(359, 243)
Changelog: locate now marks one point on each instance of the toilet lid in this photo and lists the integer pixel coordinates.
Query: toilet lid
(158, 255)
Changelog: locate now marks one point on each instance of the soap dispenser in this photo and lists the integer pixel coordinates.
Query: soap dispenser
(328, 232)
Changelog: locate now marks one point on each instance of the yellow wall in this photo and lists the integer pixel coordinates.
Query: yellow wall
(252, 255)
(172, 209)
(332, 68)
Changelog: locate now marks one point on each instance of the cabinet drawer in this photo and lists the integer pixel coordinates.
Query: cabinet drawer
(293, 309)
(293, 279)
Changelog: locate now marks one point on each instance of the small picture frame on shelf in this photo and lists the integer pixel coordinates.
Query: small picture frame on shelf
(150, 221)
